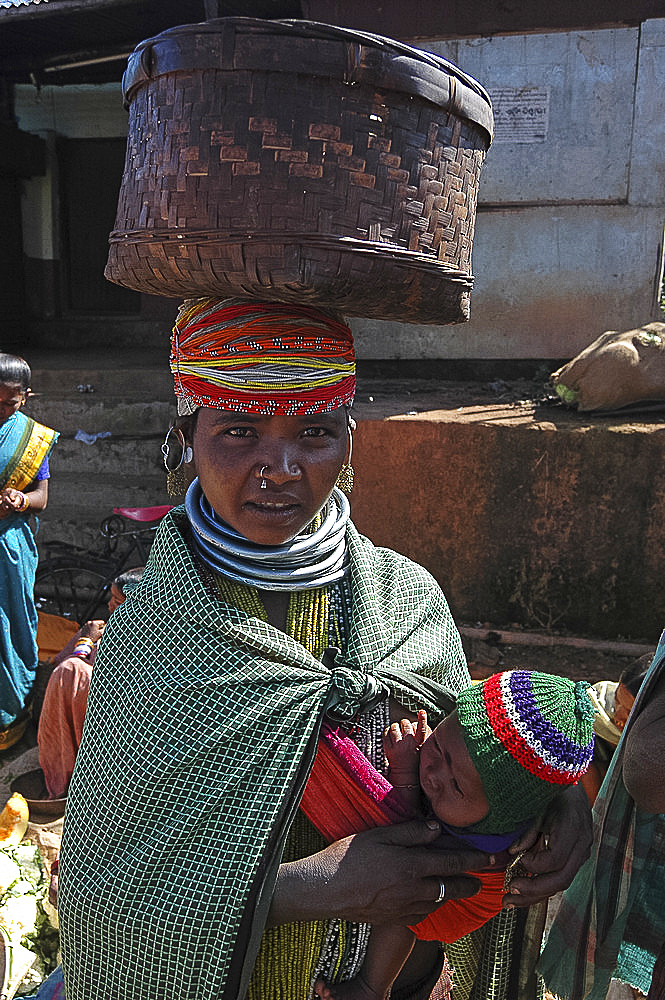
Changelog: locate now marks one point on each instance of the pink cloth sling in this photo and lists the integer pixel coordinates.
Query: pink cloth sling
(346, 795)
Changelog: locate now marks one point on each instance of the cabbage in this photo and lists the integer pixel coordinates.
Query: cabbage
(9, 871)
(25, 916)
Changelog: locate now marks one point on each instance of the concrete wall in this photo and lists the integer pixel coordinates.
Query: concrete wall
(569, 233)
(540, 518)
(135, 406)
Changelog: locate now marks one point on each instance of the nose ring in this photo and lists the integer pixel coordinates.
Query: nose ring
(263, 482)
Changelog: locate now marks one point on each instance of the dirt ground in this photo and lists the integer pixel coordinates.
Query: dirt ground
(579, 664)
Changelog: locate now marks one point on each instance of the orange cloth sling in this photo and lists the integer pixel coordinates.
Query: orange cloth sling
(346, 795)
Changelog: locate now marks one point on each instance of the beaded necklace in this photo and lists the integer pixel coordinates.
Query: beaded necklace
(308, 619)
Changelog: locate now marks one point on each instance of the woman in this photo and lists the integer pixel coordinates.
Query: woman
(261, 610)
(25, 447)
(611, 923)
(66, 697)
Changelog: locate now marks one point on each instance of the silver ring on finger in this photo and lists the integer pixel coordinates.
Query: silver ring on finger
(442, 893)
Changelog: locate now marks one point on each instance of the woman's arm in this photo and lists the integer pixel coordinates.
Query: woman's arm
(38, 497)
(387, 875)
(643, 753)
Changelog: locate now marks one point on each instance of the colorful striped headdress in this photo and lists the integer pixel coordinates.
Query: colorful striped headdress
(261, 357)
(528, 734)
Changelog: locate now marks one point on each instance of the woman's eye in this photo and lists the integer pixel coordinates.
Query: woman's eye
(316, 432)
(240, 431)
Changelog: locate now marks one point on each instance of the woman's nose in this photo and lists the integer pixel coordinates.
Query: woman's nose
(281, 466)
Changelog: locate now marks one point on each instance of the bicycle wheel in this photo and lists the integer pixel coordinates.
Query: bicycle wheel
(77, 590)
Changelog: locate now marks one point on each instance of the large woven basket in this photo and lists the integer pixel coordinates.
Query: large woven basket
(302, 162)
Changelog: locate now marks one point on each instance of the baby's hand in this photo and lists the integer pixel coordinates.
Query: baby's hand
(401, 743)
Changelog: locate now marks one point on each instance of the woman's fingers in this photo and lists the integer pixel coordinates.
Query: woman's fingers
(555, 855)
(428, 896)
(442, 891)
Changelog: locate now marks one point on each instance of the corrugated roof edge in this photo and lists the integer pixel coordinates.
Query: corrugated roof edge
(20, 3)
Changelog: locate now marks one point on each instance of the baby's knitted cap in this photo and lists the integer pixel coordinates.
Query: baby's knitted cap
(528, 734)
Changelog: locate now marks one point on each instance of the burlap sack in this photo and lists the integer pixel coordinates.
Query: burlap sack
(617, 369)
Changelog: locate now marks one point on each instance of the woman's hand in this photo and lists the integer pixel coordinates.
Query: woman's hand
(555, 848)
(93, 629)
(15, 501)
(11, 501)
(386, 875)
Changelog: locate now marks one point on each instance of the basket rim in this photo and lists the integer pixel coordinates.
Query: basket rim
(360, 58)
(336, 244)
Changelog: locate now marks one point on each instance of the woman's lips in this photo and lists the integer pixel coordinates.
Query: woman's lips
(272, 508)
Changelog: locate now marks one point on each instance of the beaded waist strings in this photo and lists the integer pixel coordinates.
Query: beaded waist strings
(311, 559)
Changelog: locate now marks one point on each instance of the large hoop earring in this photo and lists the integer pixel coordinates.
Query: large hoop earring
(346, 474)
(176, 484)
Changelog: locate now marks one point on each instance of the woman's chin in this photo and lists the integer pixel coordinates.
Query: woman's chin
(271, 525)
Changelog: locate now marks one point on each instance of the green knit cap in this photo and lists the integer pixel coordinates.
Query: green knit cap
(528, 734)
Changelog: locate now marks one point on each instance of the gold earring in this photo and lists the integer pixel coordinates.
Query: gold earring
(176, 484)
(345, 478)
(346, 474)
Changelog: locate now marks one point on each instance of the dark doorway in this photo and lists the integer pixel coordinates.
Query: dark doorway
(91, 171)
(11, 258)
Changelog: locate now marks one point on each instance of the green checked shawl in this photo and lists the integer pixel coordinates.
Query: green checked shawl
(200, 732)
(611, 923)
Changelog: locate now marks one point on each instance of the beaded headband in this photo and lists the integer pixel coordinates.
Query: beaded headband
(261, 357)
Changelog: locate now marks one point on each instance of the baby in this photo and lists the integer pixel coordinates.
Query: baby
(613, 701)
(491, 767)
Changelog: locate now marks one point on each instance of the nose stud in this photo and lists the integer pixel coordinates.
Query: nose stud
(263, 482)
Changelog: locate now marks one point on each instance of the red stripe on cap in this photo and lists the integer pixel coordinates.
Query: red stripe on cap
(514, 742)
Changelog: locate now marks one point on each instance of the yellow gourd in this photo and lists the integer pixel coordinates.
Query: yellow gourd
(13, 820)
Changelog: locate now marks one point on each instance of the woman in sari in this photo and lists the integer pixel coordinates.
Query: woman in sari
(187, 869)
(611, 922)
(25, 447)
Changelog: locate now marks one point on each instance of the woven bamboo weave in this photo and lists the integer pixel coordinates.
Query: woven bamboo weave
(246, 180)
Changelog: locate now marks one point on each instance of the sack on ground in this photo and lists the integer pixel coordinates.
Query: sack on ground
(616, 370)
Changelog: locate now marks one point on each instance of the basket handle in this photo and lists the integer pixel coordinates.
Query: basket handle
(139, 70)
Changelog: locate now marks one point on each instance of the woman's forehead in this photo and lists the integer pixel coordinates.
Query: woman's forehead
(214, 415)
(9, 390)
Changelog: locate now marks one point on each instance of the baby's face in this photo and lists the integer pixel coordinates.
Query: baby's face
(623, 702)
(449, 778)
